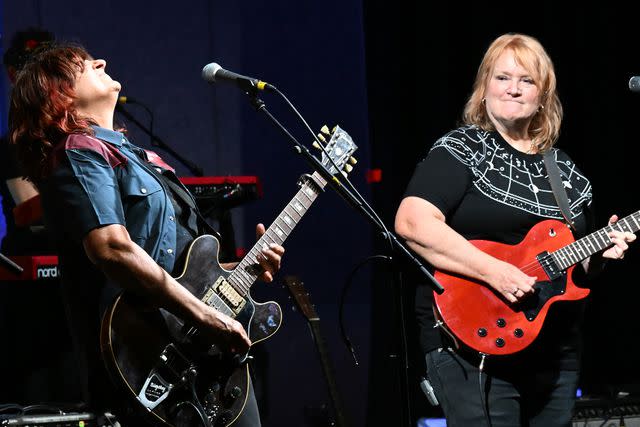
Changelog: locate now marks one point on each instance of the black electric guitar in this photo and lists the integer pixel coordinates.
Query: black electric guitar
(303, 302)
(171, 373)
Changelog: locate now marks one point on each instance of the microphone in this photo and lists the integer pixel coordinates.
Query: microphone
(127, 100)
(634, 84)
(214, 73)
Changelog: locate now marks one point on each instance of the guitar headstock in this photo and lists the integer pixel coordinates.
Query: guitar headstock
(339, 149)
(301, 297)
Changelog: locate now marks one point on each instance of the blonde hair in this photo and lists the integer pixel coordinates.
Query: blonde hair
(544, 129)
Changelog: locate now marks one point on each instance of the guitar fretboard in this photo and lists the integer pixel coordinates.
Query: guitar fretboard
(247, 271)
(594, 242)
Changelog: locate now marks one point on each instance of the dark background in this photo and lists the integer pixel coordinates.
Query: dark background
(395, 75)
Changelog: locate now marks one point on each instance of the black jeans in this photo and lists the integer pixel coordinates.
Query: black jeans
(522, 394)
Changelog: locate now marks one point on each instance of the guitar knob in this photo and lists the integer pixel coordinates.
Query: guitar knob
(518, 333)
(500, 342)
(235, 392)
(501, 323)
(226, 416)
(482, 332)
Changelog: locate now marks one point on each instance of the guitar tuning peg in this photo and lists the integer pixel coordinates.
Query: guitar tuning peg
(344, 173)
(353, 160)
(348, 168)
(325, 129)
(316, 145)
(334, 129)
(322, 138)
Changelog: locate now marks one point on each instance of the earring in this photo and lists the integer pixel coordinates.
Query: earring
(484, 100)
(540, 108)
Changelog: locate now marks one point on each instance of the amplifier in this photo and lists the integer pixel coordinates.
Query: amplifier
(608, 422)
(223, 192)
(84, 419)
(619, 412)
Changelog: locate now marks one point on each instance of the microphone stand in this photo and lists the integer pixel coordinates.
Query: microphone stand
(344, 192)
(366, 211)
(12, 265)
(157, 142)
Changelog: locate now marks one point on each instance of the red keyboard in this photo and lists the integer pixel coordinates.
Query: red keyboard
(221, 192)
(35, 267)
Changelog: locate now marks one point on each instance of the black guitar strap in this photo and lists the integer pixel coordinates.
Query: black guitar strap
(558, 188)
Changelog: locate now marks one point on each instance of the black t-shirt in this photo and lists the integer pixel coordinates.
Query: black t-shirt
(488, 190)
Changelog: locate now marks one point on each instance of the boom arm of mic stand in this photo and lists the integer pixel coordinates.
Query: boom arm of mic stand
(344, 192)
(195, 169)
(15, 267)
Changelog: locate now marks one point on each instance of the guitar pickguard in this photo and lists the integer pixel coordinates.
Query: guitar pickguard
(545, 290)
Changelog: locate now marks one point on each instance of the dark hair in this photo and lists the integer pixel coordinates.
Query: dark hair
(24, 44)
(42, 111)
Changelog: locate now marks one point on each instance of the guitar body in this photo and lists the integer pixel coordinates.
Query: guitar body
(479, 317)
(160, 363)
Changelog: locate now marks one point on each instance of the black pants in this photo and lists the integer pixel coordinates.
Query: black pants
(522, 394)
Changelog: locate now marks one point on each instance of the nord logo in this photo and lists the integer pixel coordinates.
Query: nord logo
(47, 272)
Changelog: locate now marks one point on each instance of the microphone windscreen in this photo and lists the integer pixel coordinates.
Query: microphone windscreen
(634, 84)
(209, 72)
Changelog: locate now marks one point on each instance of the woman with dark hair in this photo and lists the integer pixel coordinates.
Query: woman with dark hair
(496, 190)
(118, 219)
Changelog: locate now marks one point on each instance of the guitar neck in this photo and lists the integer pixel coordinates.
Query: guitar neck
(246, 272)
(595, 242)
(327, 369)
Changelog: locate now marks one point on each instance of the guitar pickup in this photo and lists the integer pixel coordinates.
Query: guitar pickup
(549, 265)
(227, 293)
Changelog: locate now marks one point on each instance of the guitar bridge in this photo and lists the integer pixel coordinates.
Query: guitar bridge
(168, 372)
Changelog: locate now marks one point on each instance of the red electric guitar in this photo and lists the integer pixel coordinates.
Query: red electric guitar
(479, 317)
